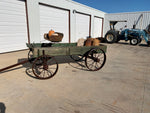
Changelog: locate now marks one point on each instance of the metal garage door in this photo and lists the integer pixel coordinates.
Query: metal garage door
(56, 19)
(13, 26)
(82, 26)
(97, 27)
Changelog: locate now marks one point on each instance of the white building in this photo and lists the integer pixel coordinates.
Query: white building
(24, 22)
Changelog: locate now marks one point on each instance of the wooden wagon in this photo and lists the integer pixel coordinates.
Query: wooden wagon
(45, 66)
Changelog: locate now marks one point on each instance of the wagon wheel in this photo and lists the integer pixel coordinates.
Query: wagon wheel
(45, 67)
(95, 59)
(30, 56)
(77, 57)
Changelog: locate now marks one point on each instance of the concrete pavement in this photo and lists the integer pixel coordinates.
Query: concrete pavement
(121, 86)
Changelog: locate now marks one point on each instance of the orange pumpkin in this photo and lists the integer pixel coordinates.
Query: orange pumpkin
(96, 42)
(51, 32)
(88, 42)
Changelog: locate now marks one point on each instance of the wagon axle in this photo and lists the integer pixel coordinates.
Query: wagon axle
(94, 59)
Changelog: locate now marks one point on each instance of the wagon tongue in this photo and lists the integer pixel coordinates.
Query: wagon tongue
(14, 65)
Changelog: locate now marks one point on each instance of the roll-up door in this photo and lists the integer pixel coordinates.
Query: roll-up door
(56, 19)
(97, 27)
(82, 26)
(13, 25)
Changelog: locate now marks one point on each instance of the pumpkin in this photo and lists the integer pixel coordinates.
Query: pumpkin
(88, 42)
(95, 42)
(51, 32)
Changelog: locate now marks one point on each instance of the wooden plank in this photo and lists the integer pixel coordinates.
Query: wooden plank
(64, 44)
(79, 50)
(51, 44)
(84, 49)
(52, 51)
(64, 49)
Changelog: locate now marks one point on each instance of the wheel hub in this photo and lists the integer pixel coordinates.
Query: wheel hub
(109, 37)
(134, 41)
(96, 59)
(45, 66)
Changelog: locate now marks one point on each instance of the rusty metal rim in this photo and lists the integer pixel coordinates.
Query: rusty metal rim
(95, 59)
(42, 58)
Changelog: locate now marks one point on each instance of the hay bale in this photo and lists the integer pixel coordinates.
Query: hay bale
(81, 42)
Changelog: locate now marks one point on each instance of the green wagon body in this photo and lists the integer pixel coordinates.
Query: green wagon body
(45, 66)
(61, 49)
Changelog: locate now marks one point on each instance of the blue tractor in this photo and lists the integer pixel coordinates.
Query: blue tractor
(133, 35)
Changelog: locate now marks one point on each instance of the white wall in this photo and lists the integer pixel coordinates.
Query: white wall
(13, 25)
(34, 20)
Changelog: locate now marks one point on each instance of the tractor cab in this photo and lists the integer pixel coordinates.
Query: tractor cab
(113, 23)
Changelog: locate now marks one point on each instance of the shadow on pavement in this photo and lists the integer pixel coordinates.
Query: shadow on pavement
(2, 107)
(127, 43)
(60, 60)
(143, 45)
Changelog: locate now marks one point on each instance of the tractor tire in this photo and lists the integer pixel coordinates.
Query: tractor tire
(134, 41)
(111, 37)
(148, 43)
(117, 40)
(140, 40)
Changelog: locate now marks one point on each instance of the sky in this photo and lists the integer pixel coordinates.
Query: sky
(117, 6)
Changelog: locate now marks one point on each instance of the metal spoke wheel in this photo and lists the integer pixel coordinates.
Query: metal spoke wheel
(95, 59)
(77, 57)
(45, 67)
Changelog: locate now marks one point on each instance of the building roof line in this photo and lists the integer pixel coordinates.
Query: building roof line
(129, 12)
(85, 6)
